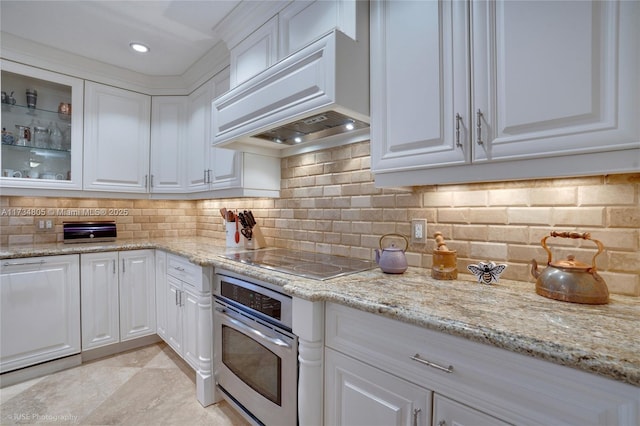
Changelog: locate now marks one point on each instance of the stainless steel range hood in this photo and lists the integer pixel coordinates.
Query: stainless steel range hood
(315, 98)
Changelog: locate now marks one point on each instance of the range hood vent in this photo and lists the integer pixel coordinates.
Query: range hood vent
(315, 98)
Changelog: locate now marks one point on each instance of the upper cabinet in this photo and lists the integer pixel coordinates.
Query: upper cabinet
(168, 144)
(116, 139)
(518, 96)
(292, 28)
(255, 53)
(41, 129)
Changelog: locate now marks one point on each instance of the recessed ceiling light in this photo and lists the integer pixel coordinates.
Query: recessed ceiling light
(139, 47)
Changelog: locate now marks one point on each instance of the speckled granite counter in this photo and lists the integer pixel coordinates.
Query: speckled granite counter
(602, 339)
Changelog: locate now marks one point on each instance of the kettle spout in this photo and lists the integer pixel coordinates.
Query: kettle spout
(534, 268)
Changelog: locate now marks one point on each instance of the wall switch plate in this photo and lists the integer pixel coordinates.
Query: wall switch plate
(419, 231)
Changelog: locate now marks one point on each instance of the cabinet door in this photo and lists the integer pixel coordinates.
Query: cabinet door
(546, 91)
(116, 139)
(190, 302)
(52, 156)
(40, 310)
(174, 314)
(199, 141)
(419, 84)
(99, 299)
(448, 412)
(358, 394)
(161, 293)
(137, 294)
(255, 53)
(168, 144)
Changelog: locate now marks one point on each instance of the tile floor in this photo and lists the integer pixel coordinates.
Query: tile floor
(146, 386)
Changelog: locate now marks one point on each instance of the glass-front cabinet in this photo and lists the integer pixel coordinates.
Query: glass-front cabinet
(41, 128)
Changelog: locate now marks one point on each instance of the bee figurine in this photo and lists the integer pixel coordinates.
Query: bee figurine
(487, 273)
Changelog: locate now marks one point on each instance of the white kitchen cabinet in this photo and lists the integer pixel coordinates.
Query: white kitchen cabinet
(364, 395)
(255, 53)
(198, 142)
(99, 299)
(116, 139)
(161, 293)
(137, 294)
(169, 144)
(118, 297)
(290, 29)
(471, 382)
(189, 319)
(219, 171)
(40, 315)
(517, 97)
(46, 153)
(449, 412)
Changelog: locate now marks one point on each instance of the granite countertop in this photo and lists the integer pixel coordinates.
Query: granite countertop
(600, 339)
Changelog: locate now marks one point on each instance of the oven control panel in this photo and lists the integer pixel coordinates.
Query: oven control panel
(255, 298)
(252, 299)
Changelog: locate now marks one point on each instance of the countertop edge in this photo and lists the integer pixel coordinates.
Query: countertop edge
(612, 368)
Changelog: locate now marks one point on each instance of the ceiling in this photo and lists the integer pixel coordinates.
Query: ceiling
(178, 32)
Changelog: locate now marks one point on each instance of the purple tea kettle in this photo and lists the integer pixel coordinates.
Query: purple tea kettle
(392, 259)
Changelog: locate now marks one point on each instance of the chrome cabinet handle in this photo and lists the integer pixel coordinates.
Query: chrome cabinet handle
(40, 262)
(151, 184)
(458, 119)
(479, 127)
(417, 358)
(179, 268)
(176, 303)
(123, 268)
(146, 181)
(208, 175)
(416, 411)
(113, 265)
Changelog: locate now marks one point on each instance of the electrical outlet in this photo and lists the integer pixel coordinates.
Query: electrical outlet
(419, 231)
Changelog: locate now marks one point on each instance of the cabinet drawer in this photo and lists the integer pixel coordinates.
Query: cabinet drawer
(180, 268)
(516, 388)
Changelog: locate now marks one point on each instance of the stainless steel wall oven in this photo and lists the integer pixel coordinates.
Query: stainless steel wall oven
(255, 351)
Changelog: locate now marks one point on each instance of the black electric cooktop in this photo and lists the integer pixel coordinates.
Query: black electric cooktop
(306, 264)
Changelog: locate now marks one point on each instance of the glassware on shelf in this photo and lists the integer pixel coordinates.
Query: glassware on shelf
(40, 137)
(55, 136)
(32, 98)
(24, 135)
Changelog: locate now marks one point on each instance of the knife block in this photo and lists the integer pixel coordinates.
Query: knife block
(257, 239)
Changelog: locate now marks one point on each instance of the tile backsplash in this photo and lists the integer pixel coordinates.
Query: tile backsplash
(329, 203)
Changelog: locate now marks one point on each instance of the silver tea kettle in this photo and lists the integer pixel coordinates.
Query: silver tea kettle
(392, 259)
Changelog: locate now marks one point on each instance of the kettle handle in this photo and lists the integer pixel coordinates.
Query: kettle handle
(406, 242)
(573, 235)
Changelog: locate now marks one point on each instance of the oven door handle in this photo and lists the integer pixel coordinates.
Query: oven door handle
(253, 331)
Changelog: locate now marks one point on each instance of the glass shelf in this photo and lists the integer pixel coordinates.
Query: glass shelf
(36, 142)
